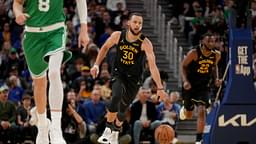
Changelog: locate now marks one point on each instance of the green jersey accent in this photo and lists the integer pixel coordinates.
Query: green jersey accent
(44, 12)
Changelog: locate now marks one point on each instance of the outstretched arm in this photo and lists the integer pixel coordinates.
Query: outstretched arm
(148, 48)
(112, 40)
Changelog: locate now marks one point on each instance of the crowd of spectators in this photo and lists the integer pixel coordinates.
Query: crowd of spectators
(86, 99)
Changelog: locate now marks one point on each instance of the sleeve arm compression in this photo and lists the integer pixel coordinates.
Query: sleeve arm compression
(82, 10)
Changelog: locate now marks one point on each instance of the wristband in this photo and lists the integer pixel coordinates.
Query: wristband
(98, 68)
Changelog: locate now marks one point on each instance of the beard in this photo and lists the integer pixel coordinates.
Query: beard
(209, 48)
(134, 33)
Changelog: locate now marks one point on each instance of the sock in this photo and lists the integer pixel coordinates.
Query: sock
(56, 119)
(42, 120)
(199, 136)
(109, 125)
(116, 127)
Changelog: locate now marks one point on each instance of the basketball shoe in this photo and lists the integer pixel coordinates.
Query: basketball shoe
(114, 137)
(182, 113)
(33, 120)
(43, 133)
(56, 135)
(106, 137)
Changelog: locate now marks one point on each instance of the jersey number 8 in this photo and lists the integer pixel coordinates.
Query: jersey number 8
(44, 5)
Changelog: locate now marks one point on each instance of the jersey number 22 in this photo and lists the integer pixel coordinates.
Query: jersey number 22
(44, 5)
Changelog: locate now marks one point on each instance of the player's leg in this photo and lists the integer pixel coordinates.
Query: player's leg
(130, 92)
(55, 97)
(33, 50)
(117, 90)
(40, 85)
(202, 102)
(186, 112)
(200, 122)
(55, 55)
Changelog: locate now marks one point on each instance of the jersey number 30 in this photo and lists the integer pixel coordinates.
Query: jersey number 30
(44, 5)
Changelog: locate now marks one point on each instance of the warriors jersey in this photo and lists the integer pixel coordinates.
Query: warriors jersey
(44, 12)
(129, 58)
(200, 71)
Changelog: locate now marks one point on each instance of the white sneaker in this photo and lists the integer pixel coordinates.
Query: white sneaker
(198, 142)
(33, 120)
(43, 133)
(56, 136)
(106, 136)
(114, 137)
(182, 113)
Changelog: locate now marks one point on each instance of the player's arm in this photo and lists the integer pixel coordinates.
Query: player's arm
(148, 48)
(191, 55)
(18, 7)
(82, 11)
(83, 38)
(18, 12)
(111, 41)
(218, 81)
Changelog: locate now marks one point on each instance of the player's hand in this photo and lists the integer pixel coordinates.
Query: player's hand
(22, 18)
(218, 82)
(162, 95)
(95, 71)
(187, 85)
(83, 38)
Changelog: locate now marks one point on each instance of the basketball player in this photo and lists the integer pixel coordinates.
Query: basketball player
(197, 68)
(44, 48)
(132, 46)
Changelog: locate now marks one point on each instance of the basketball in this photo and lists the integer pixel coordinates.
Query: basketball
(164, 134)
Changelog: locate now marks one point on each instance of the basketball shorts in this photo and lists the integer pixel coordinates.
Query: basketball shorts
(124, 91)
(38, 46)
(195, 97)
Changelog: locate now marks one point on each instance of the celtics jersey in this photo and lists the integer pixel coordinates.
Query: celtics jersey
(200, 71)
(44, 12)
(129, 58)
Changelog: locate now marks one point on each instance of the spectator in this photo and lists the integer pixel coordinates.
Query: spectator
(73, 125)
(86, 77)
(94, 109)
(198, 27)
(10, 58)
(108, 31)
(5, 36)
(114, 5)
(16, 92)
(23, 115)
(84, 92)
(100, 24)
(8, 127)
(168, 112)
(143, 114)
(21, 81)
